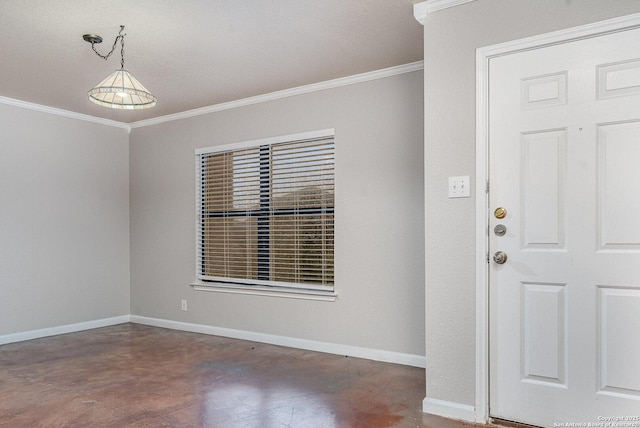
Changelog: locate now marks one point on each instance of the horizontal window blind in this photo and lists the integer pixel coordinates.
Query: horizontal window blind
(266, 214)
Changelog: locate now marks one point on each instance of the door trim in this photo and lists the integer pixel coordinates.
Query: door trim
(483, 56)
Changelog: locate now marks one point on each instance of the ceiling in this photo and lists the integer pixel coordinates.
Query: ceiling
(196, 53)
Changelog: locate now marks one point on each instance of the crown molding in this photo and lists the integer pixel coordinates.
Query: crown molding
(65, 113)
(329, 84)
(421, 10)
(436, 5)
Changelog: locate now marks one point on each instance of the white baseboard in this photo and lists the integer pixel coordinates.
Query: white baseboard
(449, 409)
(62, 329)
(291, 342)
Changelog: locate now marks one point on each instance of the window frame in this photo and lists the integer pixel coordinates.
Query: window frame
(251, 286)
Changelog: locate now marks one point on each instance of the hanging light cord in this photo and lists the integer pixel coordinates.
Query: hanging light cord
(113, 48)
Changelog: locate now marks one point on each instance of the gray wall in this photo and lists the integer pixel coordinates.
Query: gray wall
(451, 38)
(64, 221)
(379, 217)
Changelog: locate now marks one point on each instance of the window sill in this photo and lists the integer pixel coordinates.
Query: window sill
(287, 293)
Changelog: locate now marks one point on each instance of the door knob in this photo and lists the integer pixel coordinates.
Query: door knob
(500, 257)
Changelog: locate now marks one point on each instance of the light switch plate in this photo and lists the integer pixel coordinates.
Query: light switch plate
(459, 187)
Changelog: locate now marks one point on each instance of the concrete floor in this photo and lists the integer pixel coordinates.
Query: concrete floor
(138, 376)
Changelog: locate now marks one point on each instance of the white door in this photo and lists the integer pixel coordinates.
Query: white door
(564, 162)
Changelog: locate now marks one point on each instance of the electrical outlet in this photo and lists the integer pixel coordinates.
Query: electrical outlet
(184, 305)
(459, 187)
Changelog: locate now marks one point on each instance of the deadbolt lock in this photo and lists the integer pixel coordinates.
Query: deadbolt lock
(500, 212)
(500, 230)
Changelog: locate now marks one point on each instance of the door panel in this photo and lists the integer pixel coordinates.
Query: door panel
(564, 161)
(544, 333)
(618, 160)
(619, 313)
(543, 213)
(619, 79)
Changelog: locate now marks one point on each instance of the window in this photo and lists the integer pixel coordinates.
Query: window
(266, 213)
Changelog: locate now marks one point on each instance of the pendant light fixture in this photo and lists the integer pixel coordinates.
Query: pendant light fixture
(120, 90)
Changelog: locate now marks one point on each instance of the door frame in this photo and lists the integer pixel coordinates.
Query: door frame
(483, 56)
